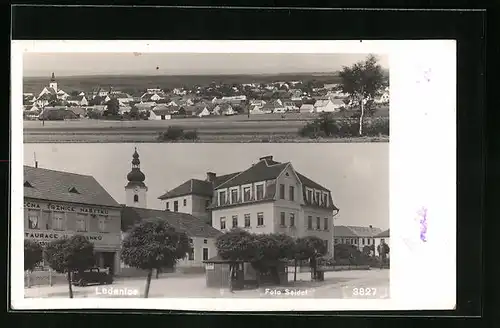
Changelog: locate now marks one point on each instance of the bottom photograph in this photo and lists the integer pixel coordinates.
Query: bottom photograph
(206, 220)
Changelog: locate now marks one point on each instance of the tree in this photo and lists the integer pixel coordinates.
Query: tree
(113, 107)
(310, 248)
(154, 244)
(134, 112)
(363, 81)
(67, 255)
(33, 254)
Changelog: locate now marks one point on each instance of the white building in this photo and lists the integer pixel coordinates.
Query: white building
(328, 105)
(201, 235)
(358, 236)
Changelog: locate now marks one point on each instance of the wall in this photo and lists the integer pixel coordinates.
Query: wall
(252, 209)
(321, 233)
(198, 245)
(129, 197)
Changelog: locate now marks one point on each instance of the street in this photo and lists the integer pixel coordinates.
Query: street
(338, 284)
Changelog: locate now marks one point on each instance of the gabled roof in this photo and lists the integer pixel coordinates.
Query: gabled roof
(383, 234)
(262, 171)
(355, 231)
(56, 185)
(196, 187)
(183, 222)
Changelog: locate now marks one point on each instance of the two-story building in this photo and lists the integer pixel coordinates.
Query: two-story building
(268, 197)
(358, 236)
(202, 235)
(59, 204)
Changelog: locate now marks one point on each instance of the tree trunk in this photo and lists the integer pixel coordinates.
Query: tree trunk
(69, 285)
(148, 283)
(361, 116)
(295, 270)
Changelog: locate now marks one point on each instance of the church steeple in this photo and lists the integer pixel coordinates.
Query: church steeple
(53, 78)
(136, 188)
(53, 83)
(135, 176)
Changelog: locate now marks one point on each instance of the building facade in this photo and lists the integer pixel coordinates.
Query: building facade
(60, 204)
(357, 236)
(268, 197)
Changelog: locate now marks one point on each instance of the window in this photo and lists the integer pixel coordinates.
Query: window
(326, 224)
(81, 222)
(205, 241)
(73, 190)
(368, 241)
(136, 198)
(184, 202)
(282, 191)
(247, 220)
(362, 241)
(234, 196)
(318, 223)
(205, 254)
(259, 192)
(373, 241)
(46, 215)
(336, 240)
(222, 223)
(176, 206)
(207, 203)
(292, 220)
(325, 199)
(235, 221)
(282, 219)
(168, 206)
(309, 222)
(309, 196)
(191, 254)
(260, 219)
(291, 193)
(33, 220)
(348, 241)
(246, 194)
(317, 197)
(356, 241)
(27, 184)
(222, 198)
(57, 221)
(102, 224)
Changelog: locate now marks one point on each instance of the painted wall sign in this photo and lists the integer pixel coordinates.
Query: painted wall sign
(47, 236)
(65, 208)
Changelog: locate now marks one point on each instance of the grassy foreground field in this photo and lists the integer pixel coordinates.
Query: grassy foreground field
(257, 128)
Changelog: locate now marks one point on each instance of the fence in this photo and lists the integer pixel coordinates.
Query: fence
(44, 278)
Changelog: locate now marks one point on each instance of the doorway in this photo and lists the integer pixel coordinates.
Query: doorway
(109, 261)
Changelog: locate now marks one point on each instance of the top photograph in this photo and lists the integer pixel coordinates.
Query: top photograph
(205, 97)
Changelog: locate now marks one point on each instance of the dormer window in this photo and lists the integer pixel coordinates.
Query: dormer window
(27, 184)
(73, 190)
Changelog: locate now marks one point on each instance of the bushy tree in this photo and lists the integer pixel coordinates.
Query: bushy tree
(33, 254)
(67, 255)
(363, 81)
(154, 244)
(113, 107)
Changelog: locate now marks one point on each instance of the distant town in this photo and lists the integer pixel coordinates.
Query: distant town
(214, 99)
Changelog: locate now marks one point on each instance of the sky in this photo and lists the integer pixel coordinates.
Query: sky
(357, 174)
(67, 64)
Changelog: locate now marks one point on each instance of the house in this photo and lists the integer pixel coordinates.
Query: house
(290, 106)
(53, 90)
(78, 100)
(161, 112)
(150, 97)
(307, 108)
(202, 111)
(383, 98)
(79, 111)
(142, 107)
(59, 204)
(328, 105)
(256, 110)
(267, 197)
(124, 109)
(123, 98)
(57, 114)
(224, 109)
(201, 235)
(355, 235)
(330, 86)
(382, 237)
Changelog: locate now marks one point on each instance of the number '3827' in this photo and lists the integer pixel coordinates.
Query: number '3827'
(364, 291)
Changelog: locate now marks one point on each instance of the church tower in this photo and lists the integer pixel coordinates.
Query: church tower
(136, 190)
(53, 83)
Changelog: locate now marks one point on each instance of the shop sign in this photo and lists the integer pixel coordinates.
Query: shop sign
(65, 208)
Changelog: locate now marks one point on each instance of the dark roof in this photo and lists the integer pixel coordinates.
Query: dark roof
(184, 222)
(383, 234)
(262, 171)
(196, 187)
(55, 185)
(57, 114)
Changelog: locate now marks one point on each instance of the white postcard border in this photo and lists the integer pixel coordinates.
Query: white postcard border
(422, 173)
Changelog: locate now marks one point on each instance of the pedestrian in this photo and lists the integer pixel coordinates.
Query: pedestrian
(231, 278)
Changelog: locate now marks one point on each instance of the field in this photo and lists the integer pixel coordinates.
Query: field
(257, 128)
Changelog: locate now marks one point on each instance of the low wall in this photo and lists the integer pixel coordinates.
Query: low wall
(44, 278)
(331, 268)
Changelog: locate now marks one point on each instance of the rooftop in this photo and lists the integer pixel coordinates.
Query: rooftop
(356, 231)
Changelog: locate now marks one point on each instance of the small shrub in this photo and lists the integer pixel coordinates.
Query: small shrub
(173, 133)
(191, 135)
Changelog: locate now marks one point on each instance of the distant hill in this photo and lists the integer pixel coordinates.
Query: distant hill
(129, 83)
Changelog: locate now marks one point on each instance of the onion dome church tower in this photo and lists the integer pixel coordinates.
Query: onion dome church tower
(136, 190)
(53, 83)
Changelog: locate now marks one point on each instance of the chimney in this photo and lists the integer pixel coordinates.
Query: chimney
(211, 177)
(371, 227)
(266, 158)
